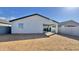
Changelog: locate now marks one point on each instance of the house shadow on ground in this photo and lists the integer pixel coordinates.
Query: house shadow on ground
(70, 36)
(15, 37)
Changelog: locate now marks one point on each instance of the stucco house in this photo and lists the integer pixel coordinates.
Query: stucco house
(37, 23)
(34, 23)
(69, 27)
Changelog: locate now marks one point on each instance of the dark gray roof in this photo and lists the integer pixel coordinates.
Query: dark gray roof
(66, 22)
(33, 15)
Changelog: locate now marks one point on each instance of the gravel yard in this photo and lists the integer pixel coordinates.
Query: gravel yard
(39, 42)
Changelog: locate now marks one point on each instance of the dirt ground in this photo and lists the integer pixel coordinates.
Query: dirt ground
(39, 43)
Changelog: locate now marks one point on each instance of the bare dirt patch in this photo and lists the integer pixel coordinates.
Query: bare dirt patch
(38, 43)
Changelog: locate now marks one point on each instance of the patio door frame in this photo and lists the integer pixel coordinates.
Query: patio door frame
(49, 28)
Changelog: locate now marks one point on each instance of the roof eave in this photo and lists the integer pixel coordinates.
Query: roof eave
(32, 15)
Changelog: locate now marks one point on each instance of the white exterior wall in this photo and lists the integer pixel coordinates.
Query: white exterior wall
(33, 24)
(69, 30)
(57, 28)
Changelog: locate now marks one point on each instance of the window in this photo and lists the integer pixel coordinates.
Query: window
(20, 25)
(46, 28)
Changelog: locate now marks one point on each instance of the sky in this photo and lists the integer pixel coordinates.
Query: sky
(59, 14)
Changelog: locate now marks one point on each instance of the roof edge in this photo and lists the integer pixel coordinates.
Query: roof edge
(32, 15)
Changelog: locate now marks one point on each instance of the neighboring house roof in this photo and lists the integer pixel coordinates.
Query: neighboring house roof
(33, 15)
(4, 23)
(69, 22)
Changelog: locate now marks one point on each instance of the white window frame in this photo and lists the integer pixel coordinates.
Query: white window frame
(20, 25)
